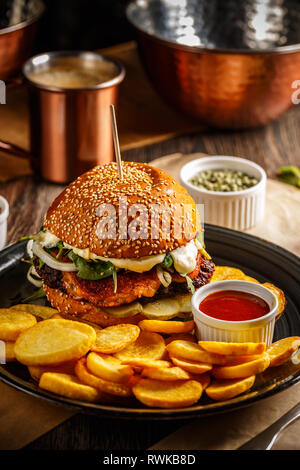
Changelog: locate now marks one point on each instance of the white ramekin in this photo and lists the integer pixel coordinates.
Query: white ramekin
(4, 211)
(238, 210)
(257, 330)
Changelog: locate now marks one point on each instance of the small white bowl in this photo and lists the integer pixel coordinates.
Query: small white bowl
(4, 211)
(239, 210)
(257, 330)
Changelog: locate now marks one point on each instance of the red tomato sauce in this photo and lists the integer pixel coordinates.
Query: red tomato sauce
(234, 305)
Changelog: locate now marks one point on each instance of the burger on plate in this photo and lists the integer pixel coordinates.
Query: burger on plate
(116, 250)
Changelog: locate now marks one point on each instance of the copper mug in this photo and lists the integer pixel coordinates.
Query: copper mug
(70, 128)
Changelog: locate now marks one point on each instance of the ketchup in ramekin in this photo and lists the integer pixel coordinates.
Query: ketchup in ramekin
(232, 305)
(235, 311)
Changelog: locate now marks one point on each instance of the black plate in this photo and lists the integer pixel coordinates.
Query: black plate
(256, 257)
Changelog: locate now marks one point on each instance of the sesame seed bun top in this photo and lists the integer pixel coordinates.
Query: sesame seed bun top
(80, 215)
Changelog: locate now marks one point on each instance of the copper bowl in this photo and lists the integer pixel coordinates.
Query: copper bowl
(229, 64)
(17, 35)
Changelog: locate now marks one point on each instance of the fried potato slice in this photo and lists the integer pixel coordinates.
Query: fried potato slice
(115, 338)
(191, 366)
(235, 360)
(242, 370)
(68, 386)
(111, 388)
(233, 349)
(188, 350)
(220, 390)
(203, 379)
(184, 336)
(167, 327)
(64, 368)
(280, 297)
(140, 363)
(10, 351)
(282, 350)
(222, 273)
(56, 316)
(14, 322)
(108, 368)
(165, 373)
(163, 394)
(147, 346)
(51, 342)
(40, 311)
(250, 279)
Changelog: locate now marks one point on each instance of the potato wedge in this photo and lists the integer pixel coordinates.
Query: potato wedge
(166, 373)
(115, 338)
(68, 386)
(242, 370)
(14, 322)
(39, 311)
(191, 366)
(167, 327)
(189, 350)
(111, 388)
(64, 368)
(220, 390)
(282, 350)
(233, 349)
(184, 336)
(161, 394)
(108, 368)
(51, 342)
(147, 346)
(280, 297)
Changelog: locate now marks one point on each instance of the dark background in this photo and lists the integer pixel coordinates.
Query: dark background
(83, 24)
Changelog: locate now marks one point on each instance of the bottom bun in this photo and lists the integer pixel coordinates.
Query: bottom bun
(76, 310)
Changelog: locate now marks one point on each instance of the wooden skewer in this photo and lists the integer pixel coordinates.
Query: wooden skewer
(116, 140)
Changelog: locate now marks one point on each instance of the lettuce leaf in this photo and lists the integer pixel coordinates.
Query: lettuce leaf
(92, 270)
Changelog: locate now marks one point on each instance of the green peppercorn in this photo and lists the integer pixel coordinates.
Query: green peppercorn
(223, 180)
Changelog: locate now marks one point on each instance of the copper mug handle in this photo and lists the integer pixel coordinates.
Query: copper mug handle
(8, 147)
(15, 150)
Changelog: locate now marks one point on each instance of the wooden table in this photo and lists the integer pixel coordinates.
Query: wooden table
(271, 146)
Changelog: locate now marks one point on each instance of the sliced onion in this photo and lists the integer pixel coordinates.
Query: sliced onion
(164, 277)
(39, 251)
(29, 248)
(31, 279)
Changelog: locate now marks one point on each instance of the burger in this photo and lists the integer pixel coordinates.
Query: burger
(117, 248)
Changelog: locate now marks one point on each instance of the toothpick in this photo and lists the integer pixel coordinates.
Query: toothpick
(116, 141)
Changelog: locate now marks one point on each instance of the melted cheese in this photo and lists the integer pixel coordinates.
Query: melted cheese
(184, 258)
(138, 265)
